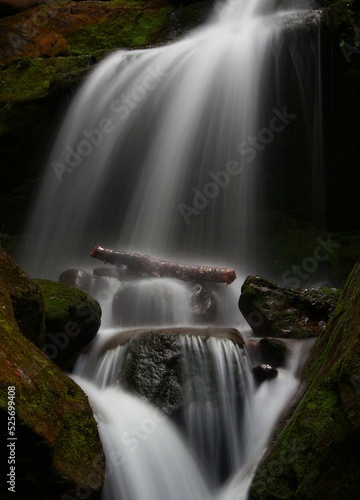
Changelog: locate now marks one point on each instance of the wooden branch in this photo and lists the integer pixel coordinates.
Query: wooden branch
(143, 265)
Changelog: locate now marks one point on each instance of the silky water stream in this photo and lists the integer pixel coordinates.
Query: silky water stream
(165, 151)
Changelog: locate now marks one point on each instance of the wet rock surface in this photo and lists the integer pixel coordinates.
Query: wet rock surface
(320, 432)
(264, 372)
(72, 319)
(276, 311)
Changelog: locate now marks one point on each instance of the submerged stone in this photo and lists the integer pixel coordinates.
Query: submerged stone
(202, 303)
(274, 351)
(264, 372)
(153, 364)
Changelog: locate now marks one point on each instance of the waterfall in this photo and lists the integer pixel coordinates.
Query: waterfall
(169, 151)
(210, 450)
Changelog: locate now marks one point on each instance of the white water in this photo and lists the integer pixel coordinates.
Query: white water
(173, 119)
(226, 422)
(145, 455)
(174, 171)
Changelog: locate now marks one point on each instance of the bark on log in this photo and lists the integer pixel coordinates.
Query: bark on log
(143, 265)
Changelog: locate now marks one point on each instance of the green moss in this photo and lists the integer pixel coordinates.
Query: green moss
(24, 82)
(314, 453)
(26, 297)
(54, 419)
(132, 27)
(60, 299)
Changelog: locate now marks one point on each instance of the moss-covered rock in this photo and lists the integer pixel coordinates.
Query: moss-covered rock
(314, 453)
(276, 311)
(72, 319)
(58, 450)
(27, 299)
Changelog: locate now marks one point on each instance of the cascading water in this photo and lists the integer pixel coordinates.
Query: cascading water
(166, 151)
(225, 423)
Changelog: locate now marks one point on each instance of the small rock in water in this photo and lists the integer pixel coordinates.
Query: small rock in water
(264, 372)
(273, 352)
(85, 281)
(202, 303)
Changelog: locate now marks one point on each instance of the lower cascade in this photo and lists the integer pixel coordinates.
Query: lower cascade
(205, 446)
(167, 151)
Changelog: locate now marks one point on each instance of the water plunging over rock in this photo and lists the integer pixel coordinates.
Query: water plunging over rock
(167, 151)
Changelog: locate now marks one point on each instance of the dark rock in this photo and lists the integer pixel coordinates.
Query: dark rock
(72, 319)
(202, 303)
(315, 450)
(153, 369)
(85, 281)
(273, 352)
(264, 372)
(153, 363)
(276, 311)
(27, 299)
(58, 448)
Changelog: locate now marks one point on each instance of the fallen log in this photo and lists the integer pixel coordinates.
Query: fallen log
(144, 265)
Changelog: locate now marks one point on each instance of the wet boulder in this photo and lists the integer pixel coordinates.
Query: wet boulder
(72, 319)
(194, 375)
(152, 361)
(264, 372)
(57, 445)
(273, 352)
(202, 303)
(314, 452)
(276, 311)
(96, 286)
